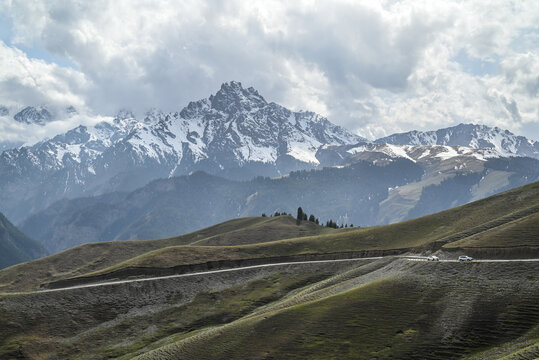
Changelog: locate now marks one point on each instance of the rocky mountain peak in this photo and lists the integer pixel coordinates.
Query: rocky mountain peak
(232, 98)
(124, 114)
(153, 116)
(234, 133)
(33, 115)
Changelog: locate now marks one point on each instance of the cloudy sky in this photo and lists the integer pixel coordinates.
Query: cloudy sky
(375, 67)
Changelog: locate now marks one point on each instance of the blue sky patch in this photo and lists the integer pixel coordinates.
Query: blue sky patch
(475, 66)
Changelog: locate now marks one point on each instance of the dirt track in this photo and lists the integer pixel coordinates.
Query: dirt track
(409, 258)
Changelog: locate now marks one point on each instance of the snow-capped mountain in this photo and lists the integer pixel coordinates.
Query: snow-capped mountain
(345, 154)
(469, 135)
(33, 115)
(234, 133)
(4, 111)
(234, 128)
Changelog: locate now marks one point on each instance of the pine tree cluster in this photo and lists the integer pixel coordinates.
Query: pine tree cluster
(302, 216)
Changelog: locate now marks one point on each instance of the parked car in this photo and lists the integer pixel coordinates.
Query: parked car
(433, 258)
(465, 258)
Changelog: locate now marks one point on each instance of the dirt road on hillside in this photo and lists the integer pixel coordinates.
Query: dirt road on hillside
(408, 258)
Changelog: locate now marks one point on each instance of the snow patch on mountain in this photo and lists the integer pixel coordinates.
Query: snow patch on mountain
(423, 152)
(448, 152)
(304, 151)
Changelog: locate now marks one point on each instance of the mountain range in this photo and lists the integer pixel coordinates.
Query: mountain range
(469, 135)
(237, 136)
(379, 190)
(234, 133)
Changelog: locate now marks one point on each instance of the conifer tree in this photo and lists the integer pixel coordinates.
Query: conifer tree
(300, 216)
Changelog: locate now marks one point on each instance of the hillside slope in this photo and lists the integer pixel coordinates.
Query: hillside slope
(16, 247)
(93, 257)
(430, 233)
(435, 232)
(385, 309)
(421, 313)
(178, 205)
(382, 308)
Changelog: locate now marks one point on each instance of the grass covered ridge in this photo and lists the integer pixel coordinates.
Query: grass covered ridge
(89, 258)
(405, 235)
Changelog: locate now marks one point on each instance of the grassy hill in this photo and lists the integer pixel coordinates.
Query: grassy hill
(411, 316)
(446, 229)
(389, 308)
(16, 247)
(520, 232)
(89, 258)
(450, 230)
(385, 309)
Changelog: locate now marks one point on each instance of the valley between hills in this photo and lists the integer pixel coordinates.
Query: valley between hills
(269, 288)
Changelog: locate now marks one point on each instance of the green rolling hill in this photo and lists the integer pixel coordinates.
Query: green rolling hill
(442, 231)
(89, 258)
(388, 308)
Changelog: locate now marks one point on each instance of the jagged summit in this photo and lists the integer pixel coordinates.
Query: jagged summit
(153, 115)
(33, 115)
(232, 97)
(124, 114)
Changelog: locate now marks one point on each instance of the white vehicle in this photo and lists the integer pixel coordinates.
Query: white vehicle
(465, 258)
(433, 258)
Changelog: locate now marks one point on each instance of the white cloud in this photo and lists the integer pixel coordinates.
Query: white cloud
(14, 132)
(31, 81)
(373, 66)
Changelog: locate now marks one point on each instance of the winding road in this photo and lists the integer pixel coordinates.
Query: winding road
(404, 257)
